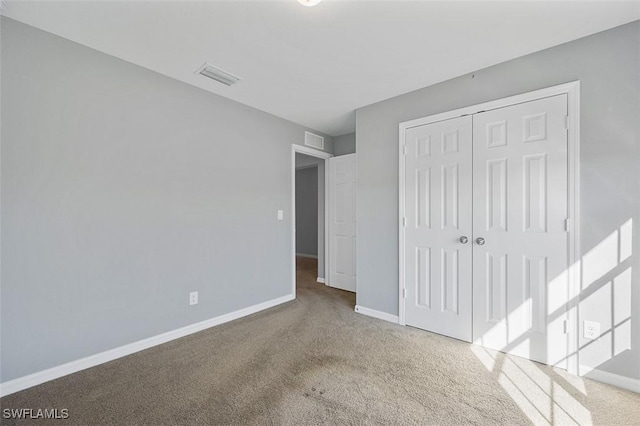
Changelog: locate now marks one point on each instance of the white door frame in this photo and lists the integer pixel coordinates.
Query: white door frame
(572, 90)
(324, 156)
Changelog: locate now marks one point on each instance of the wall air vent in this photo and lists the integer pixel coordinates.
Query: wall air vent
(218, 75)
(313, 140)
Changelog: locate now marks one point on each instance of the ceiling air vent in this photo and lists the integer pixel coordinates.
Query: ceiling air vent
(311, 139)
(218, 75)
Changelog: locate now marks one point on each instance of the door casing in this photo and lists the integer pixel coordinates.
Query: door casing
(572, 90)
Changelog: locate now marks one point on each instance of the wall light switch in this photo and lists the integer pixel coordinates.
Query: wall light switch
(591, 330)
(193, 298)
(280, 215)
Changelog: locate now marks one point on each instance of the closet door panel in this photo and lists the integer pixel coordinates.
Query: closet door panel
(519, 210)
(438, 199)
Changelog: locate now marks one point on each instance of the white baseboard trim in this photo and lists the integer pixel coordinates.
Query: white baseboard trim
(377, 314)
(40, 377)
(310, 256)
(610, 378)
(321, 280)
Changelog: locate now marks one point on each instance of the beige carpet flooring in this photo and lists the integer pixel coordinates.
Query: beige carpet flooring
(315, 361)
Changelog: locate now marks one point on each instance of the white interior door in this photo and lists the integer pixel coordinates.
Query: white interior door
(342, 222)
(438, 198)
(520, 256)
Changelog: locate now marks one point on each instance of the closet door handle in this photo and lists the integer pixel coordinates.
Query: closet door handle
(464, 240)
(480, 241)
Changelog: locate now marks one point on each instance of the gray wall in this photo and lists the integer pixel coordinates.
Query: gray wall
(303, 160)
(307, 211)
(607, 64)
(122, 191)
(345, 144)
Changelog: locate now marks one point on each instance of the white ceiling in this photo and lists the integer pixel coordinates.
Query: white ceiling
(315, 66)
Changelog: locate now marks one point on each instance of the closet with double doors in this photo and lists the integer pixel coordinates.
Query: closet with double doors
(484, 237)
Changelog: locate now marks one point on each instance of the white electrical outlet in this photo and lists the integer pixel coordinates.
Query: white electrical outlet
(591, 330)
(280, 215)
(193, 298)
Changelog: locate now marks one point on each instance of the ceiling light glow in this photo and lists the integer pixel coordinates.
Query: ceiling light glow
(309, 3)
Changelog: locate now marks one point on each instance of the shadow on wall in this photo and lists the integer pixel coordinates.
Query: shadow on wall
(606, 286)
(544, 397)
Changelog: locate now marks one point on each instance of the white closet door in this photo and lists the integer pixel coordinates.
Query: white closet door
(438, 213)
(520, 208)
(342, 222)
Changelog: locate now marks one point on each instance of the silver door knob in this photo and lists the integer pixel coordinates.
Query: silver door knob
(464, 240)
(480, 241)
